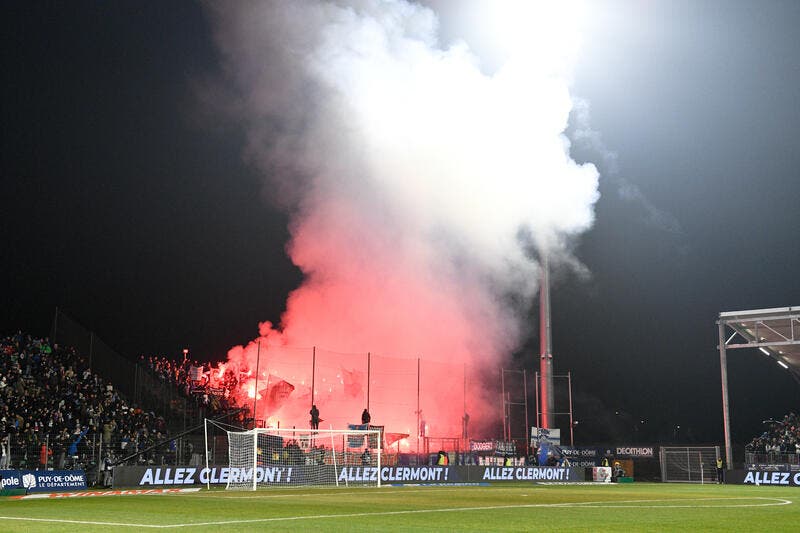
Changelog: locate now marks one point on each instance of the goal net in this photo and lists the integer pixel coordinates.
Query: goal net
(693, 464)
(269, 457)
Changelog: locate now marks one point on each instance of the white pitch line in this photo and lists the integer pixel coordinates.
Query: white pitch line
(333, 493)
(407, 512)
(634, 503)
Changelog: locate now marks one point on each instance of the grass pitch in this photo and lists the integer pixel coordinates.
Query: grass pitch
(501, 507)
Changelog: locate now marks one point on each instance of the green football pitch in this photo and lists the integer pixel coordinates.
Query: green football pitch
(500, 507)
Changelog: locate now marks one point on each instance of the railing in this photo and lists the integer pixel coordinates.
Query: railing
(92, 454)
(771, 458)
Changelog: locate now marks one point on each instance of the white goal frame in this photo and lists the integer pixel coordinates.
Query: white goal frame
(268, 457)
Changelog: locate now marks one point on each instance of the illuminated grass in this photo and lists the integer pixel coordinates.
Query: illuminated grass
(517, 507)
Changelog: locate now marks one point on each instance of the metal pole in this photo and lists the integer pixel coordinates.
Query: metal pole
(255, 388)
(536, 384)
(464, 392)
(419, 429)
(313, 372)
(503, 392)
(99, 458)
(726, 419)
(369, 377)
(205, 438)
(525, 391)
(571, 421)
(464, 419)
(545, 346)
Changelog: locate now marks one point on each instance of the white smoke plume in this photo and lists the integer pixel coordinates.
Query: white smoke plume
(417, 183)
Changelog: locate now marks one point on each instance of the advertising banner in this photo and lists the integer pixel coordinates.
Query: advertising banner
(784, 478)
(584, 456)
(634, 452)
(482, 446)
(43, 480)
(601, 474)
(170, 476)
(589, 456)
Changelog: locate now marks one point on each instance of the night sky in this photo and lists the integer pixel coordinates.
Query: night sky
(128, 203)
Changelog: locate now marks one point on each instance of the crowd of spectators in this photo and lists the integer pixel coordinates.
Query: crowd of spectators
(56, 413)
(212, 388)
(781, 437)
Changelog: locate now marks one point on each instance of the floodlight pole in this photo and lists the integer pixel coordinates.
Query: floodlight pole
(726, 421)
(545, 346)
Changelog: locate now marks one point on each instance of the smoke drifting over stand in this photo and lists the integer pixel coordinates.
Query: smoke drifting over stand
(417, 186)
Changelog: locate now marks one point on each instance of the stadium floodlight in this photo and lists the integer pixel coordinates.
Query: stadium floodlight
(764, 350)
(280, 457)
(784, 365)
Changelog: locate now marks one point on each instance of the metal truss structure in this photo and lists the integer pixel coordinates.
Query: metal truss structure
(774, 332)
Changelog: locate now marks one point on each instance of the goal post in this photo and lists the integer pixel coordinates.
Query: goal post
(689, 464)
(270, 457)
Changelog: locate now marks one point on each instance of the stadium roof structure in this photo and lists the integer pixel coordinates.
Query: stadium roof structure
(774, 332)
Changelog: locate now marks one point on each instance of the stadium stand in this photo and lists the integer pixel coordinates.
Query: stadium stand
(56, 413)
(779, 444)
(191, 378)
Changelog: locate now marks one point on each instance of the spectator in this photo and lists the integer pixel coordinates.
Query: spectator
(49, 396)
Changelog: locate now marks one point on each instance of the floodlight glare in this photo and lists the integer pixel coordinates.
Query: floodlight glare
(536, 27)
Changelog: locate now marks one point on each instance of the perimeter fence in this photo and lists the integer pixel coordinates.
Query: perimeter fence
(133, 378)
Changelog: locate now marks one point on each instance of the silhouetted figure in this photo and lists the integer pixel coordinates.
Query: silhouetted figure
(314, 412)
(365, 418)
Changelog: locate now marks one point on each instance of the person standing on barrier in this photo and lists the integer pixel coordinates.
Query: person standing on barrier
(720, 471)
(314, 417)
(365, 418)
